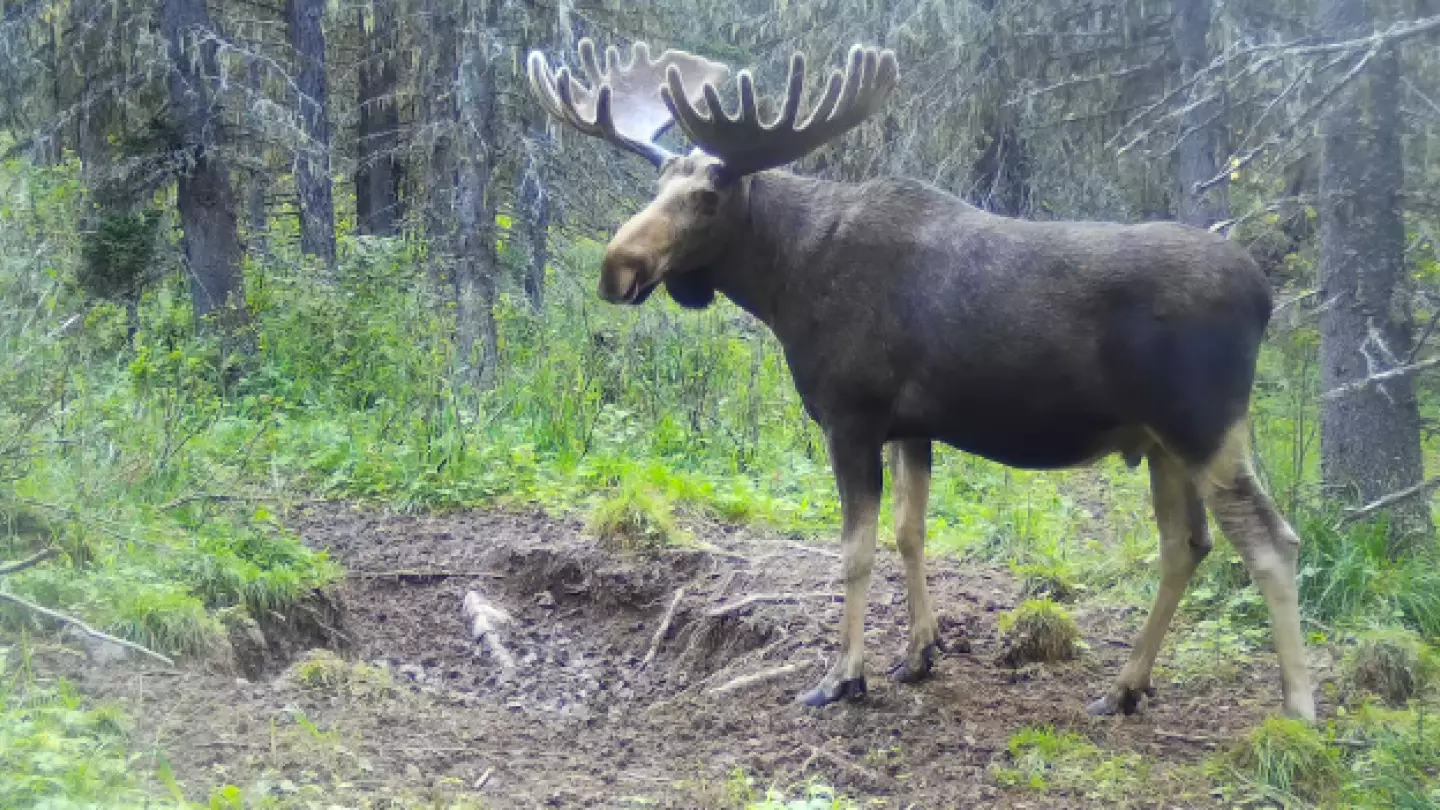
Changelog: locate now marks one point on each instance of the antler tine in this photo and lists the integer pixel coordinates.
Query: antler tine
(621, 102)
(745, 144)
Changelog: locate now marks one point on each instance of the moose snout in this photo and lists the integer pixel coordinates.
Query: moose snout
(624, 277)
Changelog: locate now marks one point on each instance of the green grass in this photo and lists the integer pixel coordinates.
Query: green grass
(163, 469)
(1044, 759)
(1039, 631)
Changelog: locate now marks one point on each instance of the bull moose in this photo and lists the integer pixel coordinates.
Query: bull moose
(908, 316)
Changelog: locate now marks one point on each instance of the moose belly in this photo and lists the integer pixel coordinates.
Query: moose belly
(1019, 436)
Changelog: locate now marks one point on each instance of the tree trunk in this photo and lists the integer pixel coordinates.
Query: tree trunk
(439, 114)
(1202, 139)
(258, 223)
(207, 214)
(533, 215)
(476, 262)
(312, 163)
(377, 175)
(1370, 438)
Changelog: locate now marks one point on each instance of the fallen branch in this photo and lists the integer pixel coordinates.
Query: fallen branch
(663, 628)
(485, 623)
(1193, 739)
(1387, 501)
(762, 598)
(83, 627)
(1381, 377)
(755, 679)
(32, 560)
(423, 574)
(824, 552)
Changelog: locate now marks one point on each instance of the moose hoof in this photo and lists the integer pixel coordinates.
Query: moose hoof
(913, 672)
(825, 694)
(1122, 700)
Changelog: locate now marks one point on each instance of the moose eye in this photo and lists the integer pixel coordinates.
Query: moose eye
(708, 200)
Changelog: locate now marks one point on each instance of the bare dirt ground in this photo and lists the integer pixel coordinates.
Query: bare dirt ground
(581, 721)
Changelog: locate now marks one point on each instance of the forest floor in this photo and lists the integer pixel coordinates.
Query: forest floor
(424, 714)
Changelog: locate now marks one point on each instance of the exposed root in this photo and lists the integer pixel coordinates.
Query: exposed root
(755, 679)
(663, 628)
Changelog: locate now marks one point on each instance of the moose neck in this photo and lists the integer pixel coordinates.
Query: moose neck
(783, 221)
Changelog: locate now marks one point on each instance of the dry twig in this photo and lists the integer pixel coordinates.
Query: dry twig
(1387, 501)
(754, 679)
(762, 598)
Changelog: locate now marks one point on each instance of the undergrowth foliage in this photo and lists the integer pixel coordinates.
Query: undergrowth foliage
(162, 468)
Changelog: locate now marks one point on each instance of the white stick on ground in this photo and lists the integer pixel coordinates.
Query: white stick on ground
(755, 679)
(485, 623)
(84, 628)
(760, 598)
(663, 628)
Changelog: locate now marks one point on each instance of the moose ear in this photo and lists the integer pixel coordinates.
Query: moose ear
(691, 290)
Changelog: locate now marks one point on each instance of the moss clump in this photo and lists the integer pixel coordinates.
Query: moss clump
(1394, 664)
(635, 520)
(1039, 631)
(1289, 756)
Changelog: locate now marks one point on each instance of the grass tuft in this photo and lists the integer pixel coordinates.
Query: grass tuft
(1039, 631)
(1392, 663)
(635, 519)
(1291, 757)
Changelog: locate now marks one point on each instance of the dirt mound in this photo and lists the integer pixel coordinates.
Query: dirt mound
(612, 691)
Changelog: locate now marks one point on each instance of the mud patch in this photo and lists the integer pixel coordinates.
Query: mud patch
(582, 720)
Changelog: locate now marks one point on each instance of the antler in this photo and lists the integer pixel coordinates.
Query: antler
(622, 104)
(746, 145)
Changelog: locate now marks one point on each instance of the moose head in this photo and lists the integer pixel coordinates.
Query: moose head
(696, 206)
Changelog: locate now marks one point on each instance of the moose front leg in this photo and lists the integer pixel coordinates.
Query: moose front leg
(910, 465)
(859, 477)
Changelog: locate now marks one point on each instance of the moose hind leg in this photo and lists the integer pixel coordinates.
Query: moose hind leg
(1271, 550)
(1184, 542)
(911, 462)
(859, 477)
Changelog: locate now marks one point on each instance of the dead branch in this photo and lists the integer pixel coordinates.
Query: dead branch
(1309, 113)
(1381, 377)
(1193, 739)
(824, 552)
(754, 679)
(762, 598)
(485, 623)
(663, 628)
(1387, 501)
(83, 627)
(417, 573)
(32, 560)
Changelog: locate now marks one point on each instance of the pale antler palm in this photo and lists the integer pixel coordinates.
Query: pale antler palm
(622, 103)
(746, 145)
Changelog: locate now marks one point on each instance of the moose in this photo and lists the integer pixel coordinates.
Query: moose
(908, 316)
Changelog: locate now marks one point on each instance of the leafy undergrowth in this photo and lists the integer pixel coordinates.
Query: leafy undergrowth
(161, 464)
